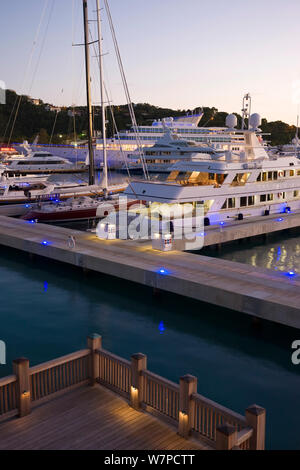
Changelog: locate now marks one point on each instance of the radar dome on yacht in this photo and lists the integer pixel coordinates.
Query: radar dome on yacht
(255, 120)
(231, 121)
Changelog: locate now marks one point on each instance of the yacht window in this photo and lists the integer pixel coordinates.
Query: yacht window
(250, 200)
(231, 203)
(296, 193)
(263, 198)
(292, 173)
(270, 174)
(43, 155)
(275, 175)
(40, 162)
(240, 179)
(259, 177)
(224, 205)
(270, 197)
(243, 201)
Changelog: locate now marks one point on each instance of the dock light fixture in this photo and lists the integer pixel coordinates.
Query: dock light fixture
(280, 219)
(45, 243)
(31, 221)
(291, 274)
(162, 271)
(134, 397)
(183, 423)
(27, 205)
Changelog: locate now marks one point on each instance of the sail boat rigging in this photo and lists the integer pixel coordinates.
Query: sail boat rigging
(105, 181)
(88, 93)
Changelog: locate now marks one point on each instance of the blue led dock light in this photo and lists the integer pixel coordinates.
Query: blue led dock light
(291, 274)
(280, 219)
(163, 271)
(45, 242)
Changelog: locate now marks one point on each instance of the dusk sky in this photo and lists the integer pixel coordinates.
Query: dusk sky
(177, 54)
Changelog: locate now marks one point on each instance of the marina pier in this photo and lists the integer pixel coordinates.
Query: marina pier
(255, 291)
(80, 401)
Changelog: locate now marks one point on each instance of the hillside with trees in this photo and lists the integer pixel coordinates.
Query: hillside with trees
(35, 117)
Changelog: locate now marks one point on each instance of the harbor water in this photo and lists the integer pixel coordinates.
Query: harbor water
(48, 309)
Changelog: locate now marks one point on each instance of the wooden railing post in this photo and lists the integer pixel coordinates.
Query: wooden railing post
(21, 370)
(256, 419)
(226, 437)
(188, 386)
(94, 342)
(138, 364)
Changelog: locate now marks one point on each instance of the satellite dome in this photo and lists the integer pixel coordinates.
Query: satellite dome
(255, 121)
(231, 121)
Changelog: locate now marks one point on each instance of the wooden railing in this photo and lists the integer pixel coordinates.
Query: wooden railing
(180, 403)
(8, 394)
(114, 372)
(59, 374)
(161, 395)
(243, 439)
(208, 416)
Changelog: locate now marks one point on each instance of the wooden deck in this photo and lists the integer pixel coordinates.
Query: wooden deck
(90, 418)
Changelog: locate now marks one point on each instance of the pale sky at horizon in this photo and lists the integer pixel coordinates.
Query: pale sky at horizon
(176, 54)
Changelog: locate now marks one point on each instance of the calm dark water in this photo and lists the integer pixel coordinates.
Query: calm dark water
(48, 309)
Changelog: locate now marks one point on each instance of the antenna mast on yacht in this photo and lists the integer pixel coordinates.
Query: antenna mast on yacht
(246, 110)
(88, 93)
(102, 97)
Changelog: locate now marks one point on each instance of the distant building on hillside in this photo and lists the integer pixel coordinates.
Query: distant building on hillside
(52, 108)
(35, 101)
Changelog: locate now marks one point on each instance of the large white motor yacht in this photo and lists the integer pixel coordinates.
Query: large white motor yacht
(241, 182)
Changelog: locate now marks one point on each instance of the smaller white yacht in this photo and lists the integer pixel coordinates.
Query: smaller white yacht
(27, 190)
(39, 162)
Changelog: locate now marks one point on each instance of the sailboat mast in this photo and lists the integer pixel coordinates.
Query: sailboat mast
(88, 93)
(105, 181)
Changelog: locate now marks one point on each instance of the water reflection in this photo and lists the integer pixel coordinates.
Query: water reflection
(282, 253)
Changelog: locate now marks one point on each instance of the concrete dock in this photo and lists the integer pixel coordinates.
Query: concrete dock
(232, 230)
(258, 292)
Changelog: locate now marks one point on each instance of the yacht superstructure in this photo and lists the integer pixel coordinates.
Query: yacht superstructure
(186, 127)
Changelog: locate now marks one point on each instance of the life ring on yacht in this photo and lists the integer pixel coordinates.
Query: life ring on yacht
(280, 195)
(281, 173)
